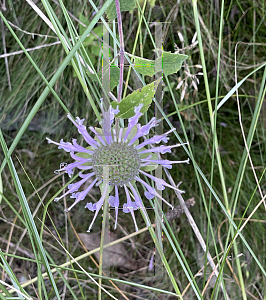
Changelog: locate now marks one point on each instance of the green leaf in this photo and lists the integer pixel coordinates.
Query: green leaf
(144, 95)
(125, 5)
(93, 60)
(95, 50)
(91, 38)
(114, 76)
(144, 66)
(166, 88)
(171, 63)
(85, 21)
(97, 30)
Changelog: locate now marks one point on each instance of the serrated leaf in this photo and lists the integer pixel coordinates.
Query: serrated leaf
(144, 95)
(125, 5)
(171, 63)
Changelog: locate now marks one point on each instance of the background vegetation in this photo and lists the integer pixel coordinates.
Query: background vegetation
(232, 44)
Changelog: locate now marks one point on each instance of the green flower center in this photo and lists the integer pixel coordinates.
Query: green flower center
(123, 163)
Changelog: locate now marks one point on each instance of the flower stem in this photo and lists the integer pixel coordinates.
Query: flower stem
(122, 50)
(103, 239)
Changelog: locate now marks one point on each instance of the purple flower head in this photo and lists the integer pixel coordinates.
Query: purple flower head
(127, 159)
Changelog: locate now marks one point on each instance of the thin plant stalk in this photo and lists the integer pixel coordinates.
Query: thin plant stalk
(216, 144)
(122, 50)
(134, 47)
(105, 210)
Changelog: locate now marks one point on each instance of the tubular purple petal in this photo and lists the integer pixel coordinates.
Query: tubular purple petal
(144, 165)
(133, 120)
(79, 158)
(162, 149)
(139, 203)
(108, 119)
(73, 187)
(156, 139)
(80, 148)
(80, 196)
(143, 130)
(66, 168)
(114, 202)
(152, 191)
(66, 146)
(62, 145)
(96, 206)
(165, 162)
(82, 175)
(97, 134)
(120, 135)
(83, 131)
(114, 111)
(148, 195)
(130, 206)
(69, 168)
(85, 167)
(160, 183)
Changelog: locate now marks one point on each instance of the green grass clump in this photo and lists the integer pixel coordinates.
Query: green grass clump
(217, 97)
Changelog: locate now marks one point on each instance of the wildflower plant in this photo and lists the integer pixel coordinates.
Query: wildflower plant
(126, 157)
(119, 158)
